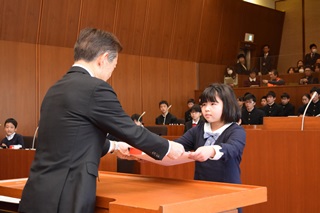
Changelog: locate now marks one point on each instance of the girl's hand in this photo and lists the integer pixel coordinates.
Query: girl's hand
(203, 153)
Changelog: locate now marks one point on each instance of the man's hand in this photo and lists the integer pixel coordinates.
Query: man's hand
(176, 150)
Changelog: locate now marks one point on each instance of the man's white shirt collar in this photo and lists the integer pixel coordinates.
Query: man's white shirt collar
(80, 65)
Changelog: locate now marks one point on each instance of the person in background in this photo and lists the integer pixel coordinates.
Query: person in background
(241, 67)
(12, 137)
(250, 114)
(266, 62)
(305, 100)
(230, 77)
(287, 107)
(252, 80)
(196, 118)
(308, 78)
(314, 107)
(137, 119)
(263, 102)
(77, 113)
(187, 116)
(311, 57)
(274, 79)
(217, 145)
(291, 70)
(300, 67)
(272, 108)
(166, 117)
(240, 102)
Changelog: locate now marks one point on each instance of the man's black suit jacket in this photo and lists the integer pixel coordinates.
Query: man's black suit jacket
(76, 114)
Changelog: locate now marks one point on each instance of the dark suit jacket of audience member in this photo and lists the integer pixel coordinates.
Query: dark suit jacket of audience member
(170, 119)
(273, 110)
(310, 61)
(239, 69)
(288, 109)
(255, 117)
(16, 140)
(248, 83)
(313, 109)
(187, 116)
(265, 64)
(188, 125)
(312, 80)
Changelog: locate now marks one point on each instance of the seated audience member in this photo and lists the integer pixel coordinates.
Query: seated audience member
(240, 102)
(272, 108)
(230, 77)
(299, 68)
(263, 102)
(274, 79)
(241, 67)
(305, 100)
(137, 119)
(308, 78)
(317, 67)
(287, 107)
(166, 117)
(250, 114)
(291, 70)
(196, 118)
(314, 107)
(187, 116)
(311, 58)
(12, 138)
(252, 80)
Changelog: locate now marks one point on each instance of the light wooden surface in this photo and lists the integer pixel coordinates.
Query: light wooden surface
(134, 193)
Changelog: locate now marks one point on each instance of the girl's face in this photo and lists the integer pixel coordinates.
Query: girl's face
(212, 112)
(305, 99)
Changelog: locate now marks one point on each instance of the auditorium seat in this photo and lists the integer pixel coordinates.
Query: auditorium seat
(158, 129)
(28, 142)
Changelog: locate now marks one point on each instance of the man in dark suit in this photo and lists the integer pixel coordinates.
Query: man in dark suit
(76, 115)
(241, 67)
(311, 58)
(266, 62)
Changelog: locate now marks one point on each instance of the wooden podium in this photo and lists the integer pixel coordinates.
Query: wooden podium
(119, 193)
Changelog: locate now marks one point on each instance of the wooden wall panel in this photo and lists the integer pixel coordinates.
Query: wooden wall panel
(17, 65)
(155, 87)
(210, 73)
(131, 17)
(186, 31)
(54, 63)
(210, 31)
(312, 21)
(19, 20)
(126, 81)
(98, 14)
(159, 27)
(182, 83)
(59, 22)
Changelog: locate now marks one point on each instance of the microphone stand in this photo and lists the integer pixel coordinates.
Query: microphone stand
(34, 138)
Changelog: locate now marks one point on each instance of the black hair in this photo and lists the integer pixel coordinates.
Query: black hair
(196, 108)
(136, 117)
(285, 95)
(263, 97)
(163, 102)
(312, 45)
(231, 111)
(307, 95)
(315, 89)
(13, 121)
(191, 100)
(271, 93)
(250, 97)
(275, 72)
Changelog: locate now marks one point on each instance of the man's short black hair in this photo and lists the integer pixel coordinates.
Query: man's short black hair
(271, 93)
(13, 121)
(285, 95)
(191, 100)
(312, 45)
(196, 108)
(250, 97)
(163, 102)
